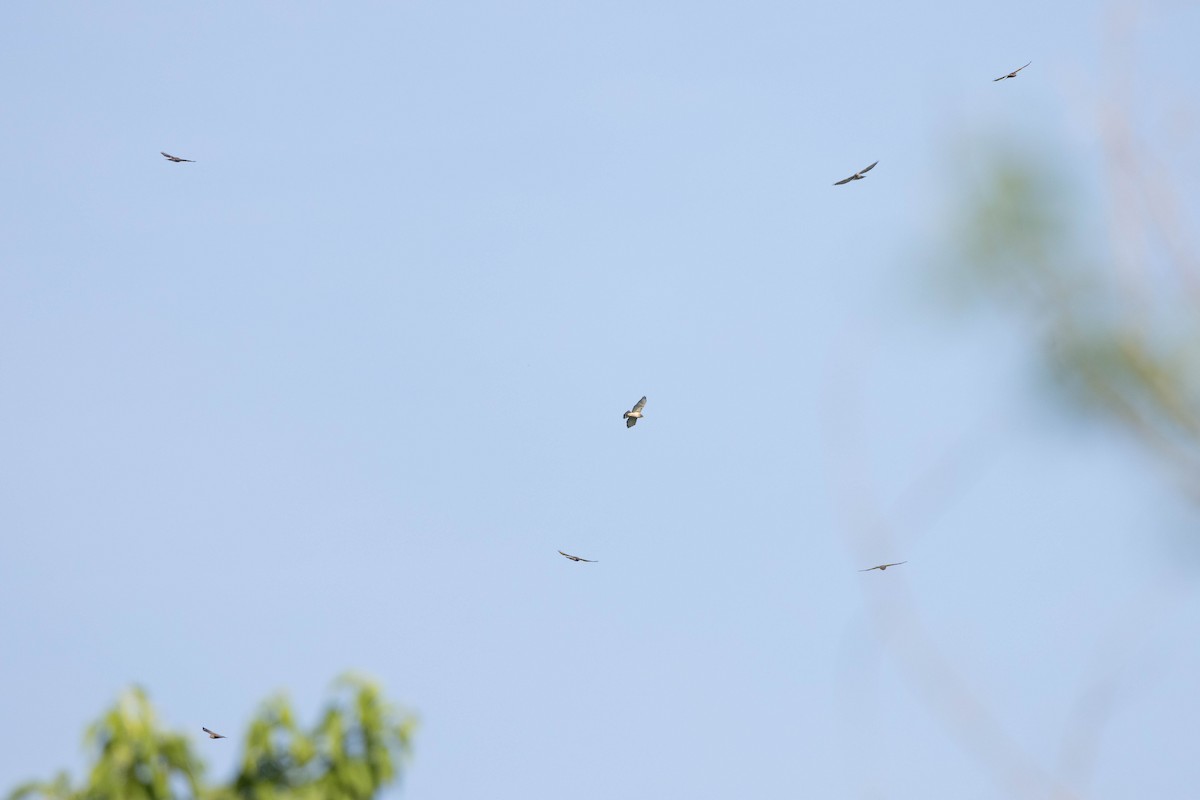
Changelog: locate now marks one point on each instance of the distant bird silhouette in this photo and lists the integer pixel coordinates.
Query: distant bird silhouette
(576, 558)
(213, 735)
(1012, 74)
(632, 416)
(882, 567)
(176, 159)
(858, 176)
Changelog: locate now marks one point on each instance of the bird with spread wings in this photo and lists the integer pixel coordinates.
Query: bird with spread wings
(858, 176)
(576, 558)
(176, 159)
(634, 414)
(1012, 74)
(882, 567)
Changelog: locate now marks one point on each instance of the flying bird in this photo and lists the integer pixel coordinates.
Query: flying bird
(633, 415)
(882, 567)
(576, 558)
(858, 176)
(1012, 74)
(176, 159)
(213, 734)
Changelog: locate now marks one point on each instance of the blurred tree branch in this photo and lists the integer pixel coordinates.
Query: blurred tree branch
(1118, 343)
(1131, 357)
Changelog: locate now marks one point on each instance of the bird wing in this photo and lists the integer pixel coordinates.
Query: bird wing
(868, 169)
(566, 555)
(639, 405)
(576, 558)
(213, 734)
(630, 422)
(868, 569)
(1002, 77)
(167, 155)
(897, 563)
(1015, 71)
(847, 180)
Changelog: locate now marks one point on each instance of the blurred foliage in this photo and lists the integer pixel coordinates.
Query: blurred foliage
(1120, 331)
(355, 750)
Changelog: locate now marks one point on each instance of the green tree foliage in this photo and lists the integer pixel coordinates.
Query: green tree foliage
(354, 751)
(1119, 329)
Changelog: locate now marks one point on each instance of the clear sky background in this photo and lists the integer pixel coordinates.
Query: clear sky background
(332, 397)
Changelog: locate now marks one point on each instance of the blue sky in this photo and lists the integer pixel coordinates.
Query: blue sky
(332, 397)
